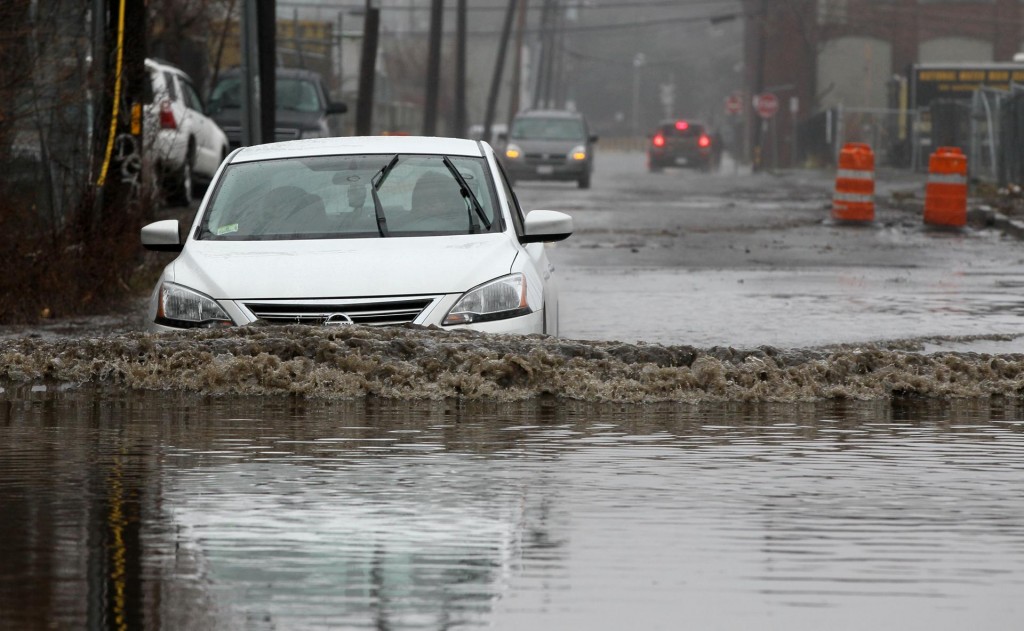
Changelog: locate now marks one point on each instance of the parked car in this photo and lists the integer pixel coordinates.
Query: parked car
(379, 230)
(684, 143)
(303, 109)
(183, 144)
(549, 145)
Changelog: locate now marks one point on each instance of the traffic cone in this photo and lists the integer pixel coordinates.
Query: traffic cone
(945, 194)
(854, 197)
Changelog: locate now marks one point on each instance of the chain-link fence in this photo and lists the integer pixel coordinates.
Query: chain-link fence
(1011, 133)
(891, 133)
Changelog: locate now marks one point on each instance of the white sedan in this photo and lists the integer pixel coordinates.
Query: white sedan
(363, 230)
(184, 144)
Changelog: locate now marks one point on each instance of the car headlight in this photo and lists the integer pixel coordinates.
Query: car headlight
(513, 152)
(504, 297)
(578, 152)
(185, 308)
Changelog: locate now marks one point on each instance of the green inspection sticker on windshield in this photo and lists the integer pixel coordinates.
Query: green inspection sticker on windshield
(228, 229)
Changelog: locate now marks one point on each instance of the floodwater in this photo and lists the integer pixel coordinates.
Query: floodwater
(178, 510)
(819, 428)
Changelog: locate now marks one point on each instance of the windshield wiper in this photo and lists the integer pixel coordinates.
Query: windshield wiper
(467, 192)
(378, 208)
(382, 175)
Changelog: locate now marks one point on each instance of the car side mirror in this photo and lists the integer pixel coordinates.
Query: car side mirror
(502, 137)
(162, 236)
(545, 226)
(337, 108)
(593, 138)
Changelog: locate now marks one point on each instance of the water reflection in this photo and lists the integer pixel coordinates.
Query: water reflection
(177, 511)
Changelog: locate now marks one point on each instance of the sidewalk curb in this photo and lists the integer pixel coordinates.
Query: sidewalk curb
(986, 216)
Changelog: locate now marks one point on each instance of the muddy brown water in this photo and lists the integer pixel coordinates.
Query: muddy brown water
(417, 363)
(301, 478)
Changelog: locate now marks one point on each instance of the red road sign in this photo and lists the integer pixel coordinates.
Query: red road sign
(733, 104)
(767, 104)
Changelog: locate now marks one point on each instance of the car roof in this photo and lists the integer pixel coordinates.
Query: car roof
(359, 145)
(300, 73)
(689, 121)
(549, 114)
(160, 64)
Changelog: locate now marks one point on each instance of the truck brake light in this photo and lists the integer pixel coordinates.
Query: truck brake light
(167, 120)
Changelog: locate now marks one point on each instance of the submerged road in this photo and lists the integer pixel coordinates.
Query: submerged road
(676, 286)
(744, 260)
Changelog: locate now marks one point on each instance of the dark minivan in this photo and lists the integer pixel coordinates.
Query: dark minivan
(549, 145)
(301, 101)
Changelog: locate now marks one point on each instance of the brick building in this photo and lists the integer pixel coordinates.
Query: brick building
(819, 54)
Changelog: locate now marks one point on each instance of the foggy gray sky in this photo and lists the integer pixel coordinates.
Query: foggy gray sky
(602, 39)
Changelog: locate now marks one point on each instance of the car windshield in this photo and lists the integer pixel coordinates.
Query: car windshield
(330, 197)
(299, 95)
(538, 128)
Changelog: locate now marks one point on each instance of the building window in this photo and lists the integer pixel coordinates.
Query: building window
(832, 11)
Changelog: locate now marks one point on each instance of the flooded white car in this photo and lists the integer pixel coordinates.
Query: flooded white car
(369, 230)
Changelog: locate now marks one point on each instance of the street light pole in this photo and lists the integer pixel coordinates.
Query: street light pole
(638, 63)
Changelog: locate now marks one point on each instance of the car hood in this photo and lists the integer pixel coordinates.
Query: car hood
(335, 268)
(289, 119)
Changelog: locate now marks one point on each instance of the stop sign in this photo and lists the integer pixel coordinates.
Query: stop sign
(767, 104)
(733, 104)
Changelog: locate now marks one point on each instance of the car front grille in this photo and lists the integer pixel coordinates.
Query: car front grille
(372, 313)
(545, 158)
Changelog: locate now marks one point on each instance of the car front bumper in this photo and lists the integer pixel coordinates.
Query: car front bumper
(431, 315)
(697, 157)
(537, 170)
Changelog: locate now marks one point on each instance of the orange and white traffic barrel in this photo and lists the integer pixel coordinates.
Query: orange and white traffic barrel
(854, 197)
(945, 194)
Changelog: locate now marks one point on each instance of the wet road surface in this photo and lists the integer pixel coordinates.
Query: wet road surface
(745, 260)
(190, 512)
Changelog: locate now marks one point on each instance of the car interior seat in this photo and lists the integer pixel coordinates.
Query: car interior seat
(294, 211)
(437, 203)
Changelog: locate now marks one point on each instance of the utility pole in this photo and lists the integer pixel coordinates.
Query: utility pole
(517, 68)
(762, 45)
(367, 70)
(433, 68)
(540, 64)
(499, 68)
(551, 53)
(266, 32)
(119, 136)
(252, 128)
(459, 123)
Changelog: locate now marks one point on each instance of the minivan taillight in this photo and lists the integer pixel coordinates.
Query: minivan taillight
(704, 141)
(658, 140)
(167, 120)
